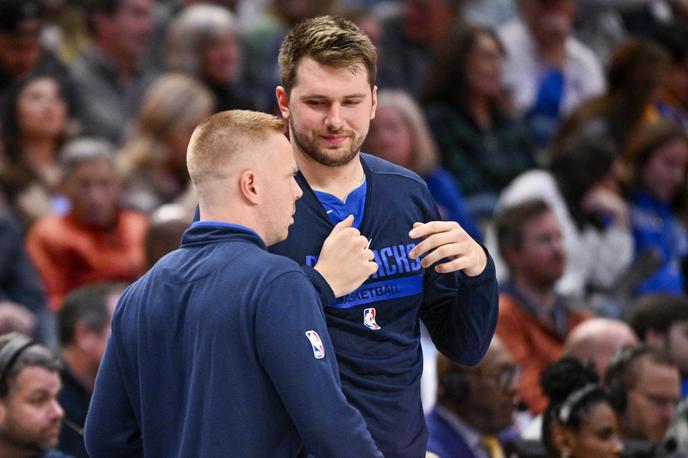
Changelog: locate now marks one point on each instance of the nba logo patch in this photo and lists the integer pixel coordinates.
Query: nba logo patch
(369, 319)
(316, 344)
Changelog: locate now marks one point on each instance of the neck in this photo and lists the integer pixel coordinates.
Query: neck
(79, 365)
(231, 214)
(480, 110)
(540, 293)
(39, 151)
(338, 181)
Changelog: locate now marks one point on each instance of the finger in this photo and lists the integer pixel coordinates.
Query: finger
(432, 242)
(415, 225)
(372, 268)
(450, 251)
(433, 227)
(363, 241)
(370, 256)
(343, 224)
(454, 265)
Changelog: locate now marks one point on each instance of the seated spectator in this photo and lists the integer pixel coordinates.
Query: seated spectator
(580, 421)
(21, 51)
(400, 134)
(548, 71)
(30, 414)
(595, 341)
(202, 43)
(592, 215)
(167, 225)
(474, 405)
(480, 143)
(153, 158)
(650, 382)
(533, 319)
(96, 240)
(655, 182)
(35, 123)
(84, 327)
(262, 39)
(411, 34)
(109, 74)
(661, 321)
(672, 101)
(633, 78)
(23, 305)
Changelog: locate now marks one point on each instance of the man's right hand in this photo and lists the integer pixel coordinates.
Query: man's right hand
(345, 261)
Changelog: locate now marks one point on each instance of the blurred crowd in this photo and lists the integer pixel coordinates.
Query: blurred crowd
(554, 131)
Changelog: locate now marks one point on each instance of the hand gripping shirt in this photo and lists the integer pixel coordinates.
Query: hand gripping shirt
(375, 330)
(221, 350)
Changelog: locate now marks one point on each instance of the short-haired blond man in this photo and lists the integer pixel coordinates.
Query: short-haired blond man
(221, 349)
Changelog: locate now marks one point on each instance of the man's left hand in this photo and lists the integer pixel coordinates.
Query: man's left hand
(447, 239)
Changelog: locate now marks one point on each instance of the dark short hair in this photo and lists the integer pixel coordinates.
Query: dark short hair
(511, 220)
(14, 12)
(624, 371)
(32, 355)
(86, 305)
(657, 312)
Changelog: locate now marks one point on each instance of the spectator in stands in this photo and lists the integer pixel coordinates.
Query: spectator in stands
(410, 37)
(650, 382)
(400, 134)
(480, 143)
(655, 181)
(672, 101)
(635, 72)
(661, 321)
(96, 240)
(167, 225)
(23, 305)
(592, 215)
(30, 414)
(474, 405)
(35, 124)
(547, 70)
(262, 39)
(21, 51)
(108, 74)
(580, 421)
(84, 328)
(202, 43)
(597, 340)
(533, 319)
(153, 158)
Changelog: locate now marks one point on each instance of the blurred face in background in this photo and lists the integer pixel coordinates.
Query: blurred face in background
(425, 21)
(390, 137)
(597, 436)
(21, 52)
(93, 189)
(128, 28)
(549, 19)
(664, 174)
(41, 110)
(220, 59)
(484, 67)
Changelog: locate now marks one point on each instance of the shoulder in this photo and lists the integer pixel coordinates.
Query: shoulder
(49, 227)
(582, 55)
(385, 170)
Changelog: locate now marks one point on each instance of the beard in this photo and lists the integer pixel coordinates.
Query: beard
(332, 158)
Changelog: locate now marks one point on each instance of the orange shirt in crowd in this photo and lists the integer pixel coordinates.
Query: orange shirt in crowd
(534, 344)
(69, 254)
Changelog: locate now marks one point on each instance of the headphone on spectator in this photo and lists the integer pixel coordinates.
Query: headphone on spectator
(454, 384)
(616, 373)
(9, 355)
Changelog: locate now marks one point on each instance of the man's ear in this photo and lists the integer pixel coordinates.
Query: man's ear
(282, 101)
(374, 107)
(248, 186)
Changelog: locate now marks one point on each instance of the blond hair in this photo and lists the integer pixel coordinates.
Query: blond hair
(172, 103)
(329, 40)
(219, 140)
(425, 155)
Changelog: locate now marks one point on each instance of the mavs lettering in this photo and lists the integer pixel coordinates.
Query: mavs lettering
(392, 261)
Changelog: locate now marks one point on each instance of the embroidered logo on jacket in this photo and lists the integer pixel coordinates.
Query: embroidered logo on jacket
(316, 344)
(369, 319)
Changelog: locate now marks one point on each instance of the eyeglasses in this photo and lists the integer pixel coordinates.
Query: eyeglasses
(505, 375)
(659, 400)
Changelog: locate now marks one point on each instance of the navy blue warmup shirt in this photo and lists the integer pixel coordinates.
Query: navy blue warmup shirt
(221, 350)
(375, 330)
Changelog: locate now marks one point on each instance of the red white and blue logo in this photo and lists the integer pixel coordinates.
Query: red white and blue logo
(369, 319)
(316, 343)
